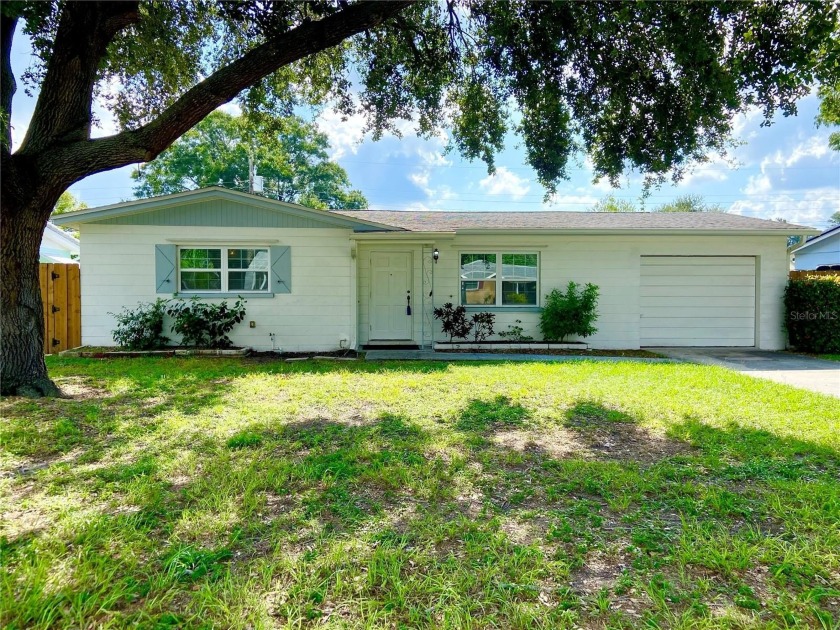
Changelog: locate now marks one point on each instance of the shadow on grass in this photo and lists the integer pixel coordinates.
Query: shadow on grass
(488, 522)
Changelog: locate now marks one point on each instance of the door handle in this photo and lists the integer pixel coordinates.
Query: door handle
(408, 303)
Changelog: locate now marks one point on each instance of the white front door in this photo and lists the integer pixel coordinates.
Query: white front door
(391, 281)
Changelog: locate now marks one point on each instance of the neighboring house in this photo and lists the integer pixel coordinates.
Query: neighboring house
(819, 251)
(57, 246)
(318, 280)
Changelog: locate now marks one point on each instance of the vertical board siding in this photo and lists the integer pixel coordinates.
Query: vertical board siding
(61, 299)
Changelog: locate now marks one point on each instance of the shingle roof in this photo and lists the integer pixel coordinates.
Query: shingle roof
(430, 221)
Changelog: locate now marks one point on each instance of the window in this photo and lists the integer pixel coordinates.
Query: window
(499, 279)
(222, 269)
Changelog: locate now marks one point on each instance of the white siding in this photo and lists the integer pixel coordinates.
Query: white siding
(826, 252)
(118, 270)
(614, 264)
(325, 303)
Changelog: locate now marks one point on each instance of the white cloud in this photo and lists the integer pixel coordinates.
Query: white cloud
(344, 133)
(758, 185)
(814, 147)
(231, 108)
(811, 208)
(505, 182)
(577, 203)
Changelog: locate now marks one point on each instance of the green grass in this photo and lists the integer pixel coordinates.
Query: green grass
(230, 493)
(830, 357)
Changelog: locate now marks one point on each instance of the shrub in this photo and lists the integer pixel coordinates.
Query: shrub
(482, 325)
(453, 321)
(515, 332)
(812, 313)
(570, 313)
(205, 325)
(141, 328)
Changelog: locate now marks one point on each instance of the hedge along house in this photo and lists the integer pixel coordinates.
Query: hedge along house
(318, 281)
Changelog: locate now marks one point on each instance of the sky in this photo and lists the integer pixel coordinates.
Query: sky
(784, 171)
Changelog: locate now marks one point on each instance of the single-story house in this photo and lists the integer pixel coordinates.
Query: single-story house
(323, 280)
(820, 251)
(57, 246)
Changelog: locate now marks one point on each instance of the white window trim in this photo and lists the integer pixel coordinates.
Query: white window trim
(498, 279)
(224, 269)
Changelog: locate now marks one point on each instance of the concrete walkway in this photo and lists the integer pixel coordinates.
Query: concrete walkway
(817, 375)
(431, 355)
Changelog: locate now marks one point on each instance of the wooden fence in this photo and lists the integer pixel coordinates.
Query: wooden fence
(799, 275)
(62, 299)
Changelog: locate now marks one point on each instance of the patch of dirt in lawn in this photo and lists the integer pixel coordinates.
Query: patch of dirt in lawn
(81, 389)
(20, 522)
(600, 571)
(614, 441)
(526, 531)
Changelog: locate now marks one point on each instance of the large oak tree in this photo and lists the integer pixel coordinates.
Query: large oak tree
(651, 86)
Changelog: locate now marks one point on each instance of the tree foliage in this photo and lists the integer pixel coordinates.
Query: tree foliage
(651, 86)
(689, 203)
(289, 154)
(834, 219)
(68, 203)
(611, 203)
(684, 203)
(829, 114)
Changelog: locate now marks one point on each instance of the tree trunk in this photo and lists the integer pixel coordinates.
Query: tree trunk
(22, 368)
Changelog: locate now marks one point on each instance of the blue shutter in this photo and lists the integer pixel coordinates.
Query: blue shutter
(165, 276)
(281, 269)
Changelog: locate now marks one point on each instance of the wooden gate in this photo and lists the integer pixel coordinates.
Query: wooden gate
(62, 299)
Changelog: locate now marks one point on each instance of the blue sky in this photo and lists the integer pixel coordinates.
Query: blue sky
(785, 170)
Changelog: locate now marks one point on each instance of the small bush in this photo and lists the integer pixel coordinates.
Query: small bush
(482, 325)
(205, 325)
(812, 313)
(453, 321)
(570, 313)
(141, 328)
(515, 332)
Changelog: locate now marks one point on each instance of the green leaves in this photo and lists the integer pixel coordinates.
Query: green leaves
(288, 153)
(571, 313)
(812, 317)
(645, 86)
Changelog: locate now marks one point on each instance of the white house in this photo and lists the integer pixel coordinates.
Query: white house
(57, 246)
(820, 251)
(318, 280)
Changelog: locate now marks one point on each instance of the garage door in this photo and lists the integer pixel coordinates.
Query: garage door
(697, 301)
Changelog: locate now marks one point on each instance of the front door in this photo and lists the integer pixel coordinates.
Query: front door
(390, 296)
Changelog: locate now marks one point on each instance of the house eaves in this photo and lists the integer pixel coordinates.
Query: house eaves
(818, 239)
(141, 206)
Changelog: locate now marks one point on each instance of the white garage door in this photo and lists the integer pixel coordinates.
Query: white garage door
(697, 301)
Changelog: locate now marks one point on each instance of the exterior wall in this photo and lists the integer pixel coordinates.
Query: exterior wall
(612, 263)
(119, 271)
(826, 252)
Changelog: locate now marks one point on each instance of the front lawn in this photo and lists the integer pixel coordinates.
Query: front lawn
(237, 494)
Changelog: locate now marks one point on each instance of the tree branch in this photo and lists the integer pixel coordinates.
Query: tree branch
(224, 84)
(63, 110)
(8, 85)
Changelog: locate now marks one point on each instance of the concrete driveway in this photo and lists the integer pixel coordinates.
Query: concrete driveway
(816, 375)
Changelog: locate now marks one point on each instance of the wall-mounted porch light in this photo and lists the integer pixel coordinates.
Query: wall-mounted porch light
(436, 255)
